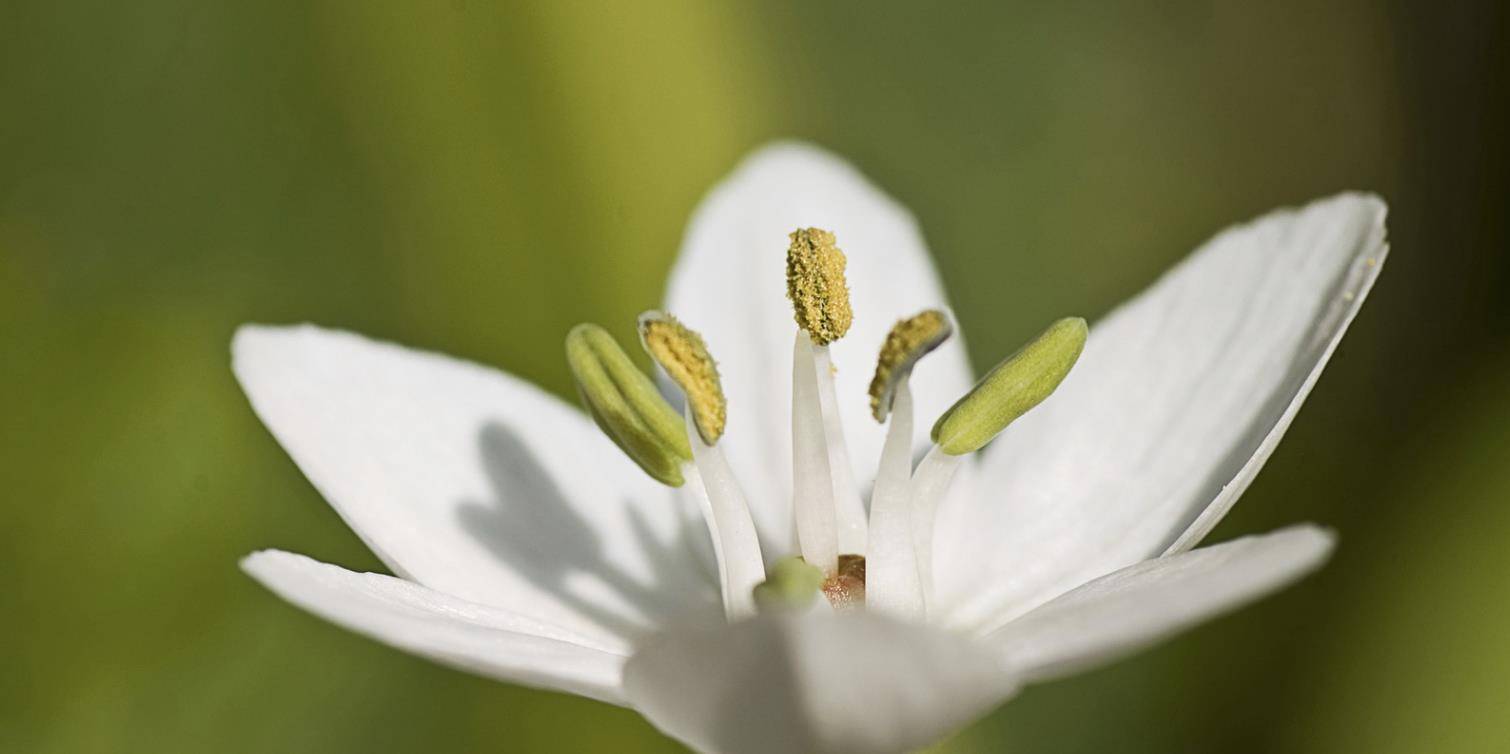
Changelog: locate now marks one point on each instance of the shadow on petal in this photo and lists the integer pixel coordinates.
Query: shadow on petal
(532, 526)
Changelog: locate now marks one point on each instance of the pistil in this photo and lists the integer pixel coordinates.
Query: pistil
(845, 590)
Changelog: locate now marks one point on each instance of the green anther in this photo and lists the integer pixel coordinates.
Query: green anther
(684, 356)
(791, 584)
(909, 340)
(626, 405)
(1016, 385)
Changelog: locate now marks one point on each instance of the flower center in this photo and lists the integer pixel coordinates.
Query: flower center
(876, 558)
(845, 589)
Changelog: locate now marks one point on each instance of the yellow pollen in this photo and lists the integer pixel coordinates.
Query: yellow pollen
(683, 354)
(909, 340)
(815, 284)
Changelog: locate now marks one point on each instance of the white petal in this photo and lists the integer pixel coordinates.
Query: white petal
(477, 484)
(1177, 401)
(1124, 611)
(464, 635)
(730, 284)
(812, 684)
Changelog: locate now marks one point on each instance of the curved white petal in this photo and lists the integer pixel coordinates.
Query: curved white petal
(814, 684)
(730, 284)
(477, 484)
(464, 635)
(1178, 399)
(1122, 612)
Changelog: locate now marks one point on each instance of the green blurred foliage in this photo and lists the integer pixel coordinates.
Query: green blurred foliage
(475, 177)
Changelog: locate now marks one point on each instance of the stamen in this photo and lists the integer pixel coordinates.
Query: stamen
(896, 584)
(812, 484)
(1016, 385)
(815, 284)
(909, 340)
(625, 404)
(684, 356)
(820, 303)
(792, 585)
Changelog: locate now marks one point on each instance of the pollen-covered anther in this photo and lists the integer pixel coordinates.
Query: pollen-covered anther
(909, 340)
(815, 283)
(683, 354)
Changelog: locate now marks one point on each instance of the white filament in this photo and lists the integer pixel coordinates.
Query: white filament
(849, 510)
(812, 481)
(892, 583)
(929, 483)
(735, 544)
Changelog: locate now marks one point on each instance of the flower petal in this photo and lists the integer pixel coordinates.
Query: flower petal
(464, 635)
(1178, 399)
(477, 484)
(729, 284)
(1122, 612)
(813, 683)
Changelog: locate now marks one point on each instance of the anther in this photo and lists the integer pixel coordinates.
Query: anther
(625, 404)
(683, 354)
(815, 284)
(1016, 385)
(909, 340)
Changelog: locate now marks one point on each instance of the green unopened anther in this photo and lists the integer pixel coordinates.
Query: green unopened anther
(791, 584)
(626, 405)
(909, 340)
(1017, 384)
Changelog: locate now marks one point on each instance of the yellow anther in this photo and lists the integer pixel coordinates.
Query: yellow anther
(683, 354)
(815, 284)
(909, 340)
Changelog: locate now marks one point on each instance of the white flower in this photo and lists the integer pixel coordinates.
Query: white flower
(526, 547)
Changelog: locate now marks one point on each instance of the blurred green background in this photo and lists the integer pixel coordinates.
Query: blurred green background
(475, 177)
